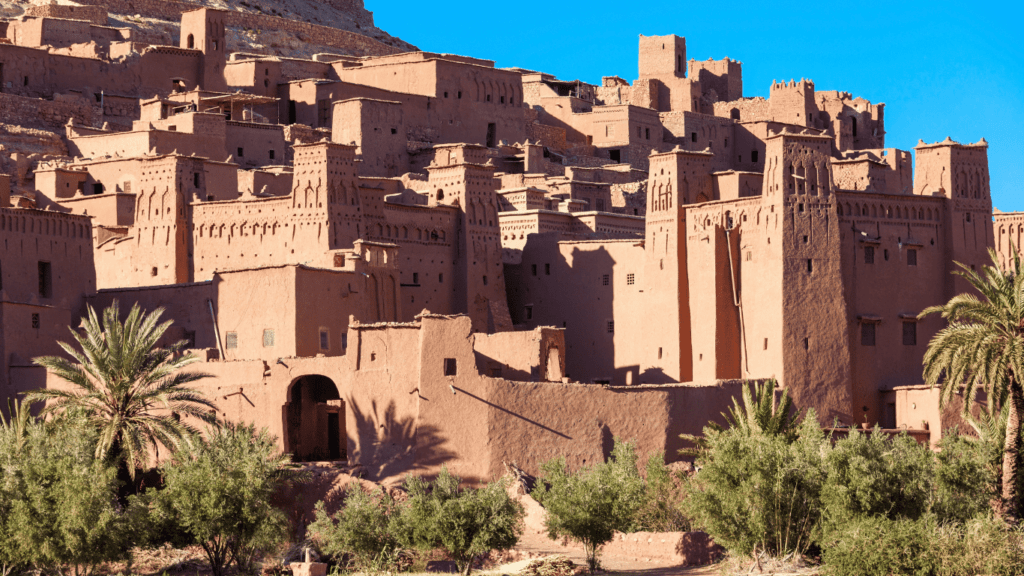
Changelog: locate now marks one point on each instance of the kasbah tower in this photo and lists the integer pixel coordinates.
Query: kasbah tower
(403, 259)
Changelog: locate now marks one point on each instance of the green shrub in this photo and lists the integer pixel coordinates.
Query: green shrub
(465, 522)
(361, 528)
(590, 505)
(965, 479)
(58, 503)
(875, 475)
(663, 492)
(878, 546)
(758, 491)
(218, 494)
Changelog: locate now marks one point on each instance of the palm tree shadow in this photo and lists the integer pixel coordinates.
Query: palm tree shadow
(388, 444)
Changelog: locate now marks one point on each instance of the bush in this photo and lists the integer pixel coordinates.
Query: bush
(58, 504)
(879, 546)
(965, 481)
(218, 494)
(758, 491)
(874, 475)
(590, 505)
(465, 522)
(361, 528)
(663, 491)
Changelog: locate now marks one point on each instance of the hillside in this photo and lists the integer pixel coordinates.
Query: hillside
(290, 28)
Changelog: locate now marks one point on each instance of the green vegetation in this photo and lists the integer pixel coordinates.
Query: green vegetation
(467, 523)
(127, 387)
(982, 348)
(218, 495)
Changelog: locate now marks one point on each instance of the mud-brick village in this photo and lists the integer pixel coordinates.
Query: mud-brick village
(283, 293)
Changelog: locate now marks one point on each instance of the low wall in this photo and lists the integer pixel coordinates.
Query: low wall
(45, 114)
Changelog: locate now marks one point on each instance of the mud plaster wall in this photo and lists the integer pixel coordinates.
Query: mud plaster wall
(46, 114)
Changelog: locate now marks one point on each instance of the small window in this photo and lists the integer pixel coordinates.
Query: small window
(910, 333)
(726, 143)
(885, 254)
(611, 327)
(344, 340)
(394, 131)
(867, 334)
(485, 280)
(547, 269)
(415, 277)
(440, 278)
(968, 216)
(45, 280)
(659, 353)
(97, 188)
(231, 340)
(35, 321)
(753, 156)
(154, 271)
(800, 206)
(693, 136)
(605, 280)
(195, 178)
(241, 152)
(765, 343)
(450, 367)
(647, 132)
(810, 266)
(529, 312)
(911, 257)
(807, 343)
(325, 339)
(806, 238)
(869, 254)
(630, 279)
(271, 153)
(268, 338)
(533, 269)
(459, 94)
(445, 94)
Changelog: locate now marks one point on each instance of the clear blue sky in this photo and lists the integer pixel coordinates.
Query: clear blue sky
(942, 69)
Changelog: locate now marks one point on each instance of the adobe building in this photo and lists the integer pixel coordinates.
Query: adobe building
(411, 259)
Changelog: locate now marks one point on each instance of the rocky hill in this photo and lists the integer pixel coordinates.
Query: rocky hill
(290, 28)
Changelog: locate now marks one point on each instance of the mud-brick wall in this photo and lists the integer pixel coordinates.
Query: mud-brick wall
(45, 114)
(94, 14)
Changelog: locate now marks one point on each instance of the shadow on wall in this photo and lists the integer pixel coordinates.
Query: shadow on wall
(388, 445)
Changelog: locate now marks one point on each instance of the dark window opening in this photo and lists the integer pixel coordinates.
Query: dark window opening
(911, 257)
(659, 353)
(195, 177)
(45, 280)
(492, 130)
(647, 132)
(807, 343)
(154, 271)
(450, 367)
(502, 99)
(869, 254)
(440, 278)
(325, 339)
(615, 156)
(394, 131)
(533, 269)
(867, 334)
(241, 152)
(485, 280)
(810, 266)
(415, 277)
(271, 152)
(191, 41)
(97, 188)
(26, 81)
(292, 113)
(885, 254)
(547, 269)
(529, 312)
(753, 156)
(445, 94)
(693, 136)
(488, 97)
(854, 127)
(344, 340)
(801, 206)
(968, 216)
(910, 333)
(459, 94)
(35, 320)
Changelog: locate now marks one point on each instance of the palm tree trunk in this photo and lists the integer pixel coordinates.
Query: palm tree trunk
(1011, 448)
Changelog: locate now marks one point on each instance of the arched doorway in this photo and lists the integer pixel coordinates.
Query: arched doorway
(315, 420)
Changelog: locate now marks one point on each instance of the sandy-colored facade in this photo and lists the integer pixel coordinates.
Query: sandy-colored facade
(418, 258)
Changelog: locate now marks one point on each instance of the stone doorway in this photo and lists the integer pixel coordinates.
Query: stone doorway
(315, 420)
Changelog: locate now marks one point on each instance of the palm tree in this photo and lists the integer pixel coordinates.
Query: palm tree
(982, 349)
(132, 391)
(760, 413)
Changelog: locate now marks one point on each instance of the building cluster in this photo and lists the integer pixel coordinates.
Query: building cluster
(415, 259)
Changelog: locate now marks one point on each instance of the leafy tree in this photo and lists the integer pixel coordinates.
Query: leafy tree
(982, 349)
(590, 505)
(58, 504)
(218, 494)
(760, 413)
(663, 491)
(363, 527)
(127, 387)
(465, 522)
(757, 491)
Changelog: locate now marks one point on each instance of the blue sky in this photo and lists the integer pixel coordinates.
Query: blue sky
(942, 69)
